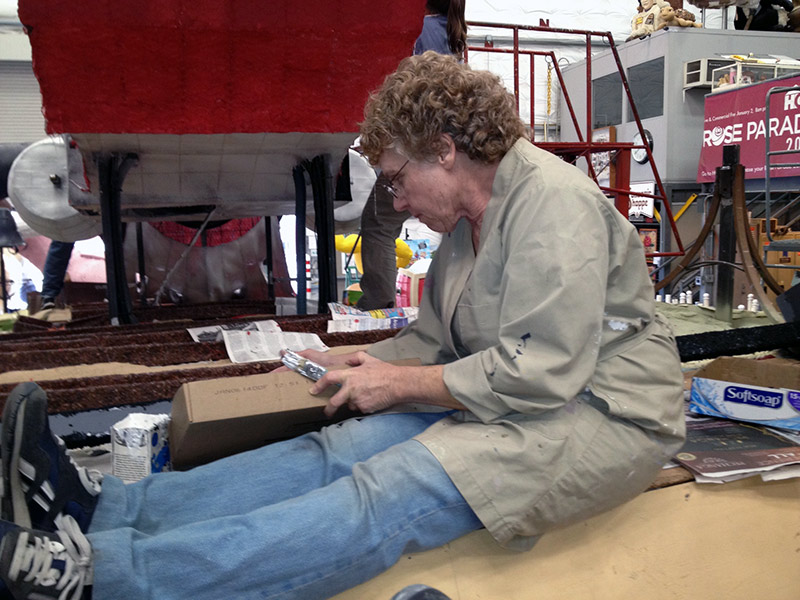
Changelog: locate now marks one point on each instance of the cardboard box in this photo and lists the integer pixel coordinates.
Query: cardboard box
(757, 391)
(214, 418)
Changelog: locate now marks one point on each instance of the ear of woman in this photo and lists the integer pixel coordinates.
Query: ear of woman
(447, 153)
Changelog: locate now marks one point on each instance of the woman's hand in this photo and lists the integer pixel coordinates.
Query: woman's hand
(369, 386)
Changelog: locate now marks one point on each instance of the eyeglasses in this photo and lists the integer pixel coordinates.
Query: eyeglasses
(389, 186)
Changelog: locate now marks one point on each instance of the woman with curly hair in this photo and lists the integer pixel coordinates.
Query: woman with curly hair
(549, 391)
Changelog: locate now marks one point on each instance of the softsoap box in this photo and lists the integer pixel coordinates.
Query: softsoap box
(139, 446)
(758, 391)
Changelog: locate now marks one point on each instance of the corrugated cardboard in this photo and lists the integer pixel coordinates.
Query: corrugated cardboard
(214, 418)
(757, 391)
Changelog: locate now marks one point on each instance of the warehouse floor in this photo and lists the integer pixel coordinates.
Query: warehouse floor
(737, 541)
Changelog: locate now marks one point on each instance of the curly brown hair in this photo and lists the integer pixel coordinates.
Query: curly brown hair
(432, 94)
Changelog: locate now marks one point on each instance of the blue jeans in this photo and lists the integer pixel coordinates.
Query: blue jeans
(302, 519)
(55, 268)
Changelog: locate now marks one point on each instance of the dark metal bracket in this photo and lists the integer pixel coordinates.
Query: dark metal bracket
(323, 222)
(112, 169)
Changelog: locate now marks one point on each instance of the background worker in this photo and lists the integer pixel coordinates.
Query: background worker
(444, 30)
(54, 271)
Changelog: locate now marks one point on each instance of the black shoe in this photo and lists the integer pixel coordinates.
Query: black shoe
(44, 565)
(48, 303)
(40, 481)
(419, 592)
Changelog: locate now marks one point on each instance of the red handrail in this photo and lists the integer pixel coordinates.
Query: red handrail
(585, 146)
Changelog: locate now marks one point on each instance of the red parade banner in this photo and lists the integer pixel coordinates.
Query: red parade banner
(738, 117)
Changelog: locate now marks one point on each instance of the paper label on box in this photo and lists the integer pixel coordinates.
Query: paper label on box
(776, 407)
(139, 446)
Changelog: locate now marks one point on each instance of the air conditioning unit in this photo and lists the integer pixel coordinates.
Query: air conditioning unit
(698, 73)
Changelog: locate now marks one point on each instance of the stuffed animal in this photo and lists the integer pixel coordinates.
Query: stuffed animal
(644, 23)
(685, 14)
(668, 18)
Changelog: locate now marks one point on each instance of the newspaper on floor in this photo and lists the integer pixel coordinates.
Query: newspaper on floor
(253, 346)
(213, 333)
(347, 318)
(720, 450)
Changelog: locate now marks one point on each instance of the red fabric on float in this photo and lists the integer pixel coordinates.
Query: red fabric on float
(214, 236)
(206, 66)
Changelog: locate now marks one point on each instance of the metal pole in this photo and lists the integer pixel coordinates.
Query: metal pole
(516, 66)
(183, 256)
(300, 237)
(140, 256)
(589, 116)
(3, 279)
(268, 260)
(532, 58)
(622, 181)
(112, 169)
(723, 300)
(323, 219)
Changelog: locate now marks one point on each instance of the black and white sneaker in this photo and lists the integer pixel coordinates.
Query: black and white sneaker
(419, 592)
(40, 565)
(40, 481)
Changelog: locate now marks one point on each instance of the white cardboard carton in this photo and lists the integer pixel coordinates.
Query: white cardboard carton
(139, 446)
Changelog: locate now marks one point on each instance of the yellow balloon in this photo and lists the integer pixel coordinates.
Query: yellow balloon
(403, 252)
(345, 243)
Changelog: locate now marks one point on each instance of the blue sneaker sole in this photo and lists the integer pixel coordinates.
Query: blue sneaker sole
(12, 495)
(13, 498)
(40, 481)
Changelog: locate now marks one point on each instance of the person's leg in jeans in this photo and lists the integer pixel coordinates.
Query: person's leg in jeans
(55, 269)
(380, 226)
(250, 480)
(314, 545)
(349, 521)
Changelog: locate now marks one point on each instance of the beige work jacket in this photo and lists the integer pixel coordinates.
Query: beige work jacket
(549, 338)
